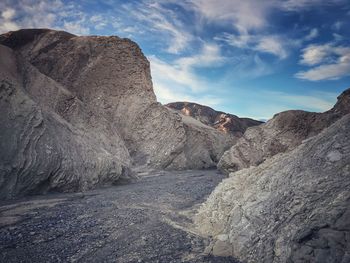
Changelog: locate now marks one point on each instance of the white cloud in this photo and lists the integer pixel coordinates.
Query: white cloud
(312, 35)
(8, 14)
(6, 20)
(315, 54)
(163, 22)
(42, 14)
(98, 21)
(333, 62)
(76, 27)
(210, 56)
(244, 15)
(295, 5)
(270, 44)
(181, 71)
(177, 80)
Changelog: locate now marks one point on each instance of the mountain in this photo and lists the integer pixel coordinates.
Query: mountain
(219, 120)
(284, 132)
(98, 114)
(294, 207)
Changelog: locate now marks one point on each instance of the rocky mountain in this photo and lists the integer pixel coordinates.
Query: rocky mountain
(225, 122)
(284, 132)
(294, 207)
(96, 91)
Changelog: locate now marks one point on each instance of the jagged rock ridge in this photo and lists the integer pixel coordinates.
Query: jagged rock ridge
(284, 132)
(219, 120)
(294, 207)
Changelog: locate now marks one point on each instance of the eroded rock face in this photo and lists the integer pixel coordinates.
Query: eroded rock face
(221, 121)
(99, 90)
(294, 207)
(48, 140)
(282, 133)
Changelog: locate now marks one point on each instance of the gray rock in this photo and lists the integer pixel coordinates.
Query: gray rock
(51, 143)
(284, 132)
(90, 102)
(112, 78)
(294, 207)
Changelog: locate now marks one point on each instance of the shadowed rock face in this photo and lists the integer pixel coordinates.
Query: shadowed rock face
(100, 90)
(284, 132)
(294, 207)
(221, 121)
(49, 141)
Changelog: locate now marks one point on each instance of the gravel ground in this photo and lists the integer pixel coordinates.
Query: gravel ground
(147, 220)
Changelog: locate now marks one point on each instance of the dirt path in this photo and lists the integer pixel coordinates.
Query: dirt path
(148, 220)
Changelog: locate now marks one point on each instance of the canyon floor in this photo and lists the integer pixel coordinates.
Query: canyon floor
(145, 220)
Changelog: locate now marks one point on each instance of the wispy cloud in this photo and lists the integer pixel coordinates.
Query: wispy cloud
(244, 15)
(42, 14)
(162, 21)
(330, 62)
(312, 35)
(270, 44)
(295, 5)
(178, 79)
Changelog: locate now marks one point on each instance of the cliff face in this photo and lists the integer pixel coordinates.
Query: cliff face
(51, 142)
(284, 132)
(294, 207)
(221, 121)
(100, 86)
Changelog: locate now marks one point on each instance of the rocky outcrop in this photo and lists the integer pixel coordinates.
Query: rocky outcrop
(219, 120)
(96, 94)
(48, 140)
(112, 77)
(284, 132)
(294, 207)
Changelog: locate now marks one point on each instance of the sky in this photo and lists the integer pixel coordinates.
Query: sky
(251, 58)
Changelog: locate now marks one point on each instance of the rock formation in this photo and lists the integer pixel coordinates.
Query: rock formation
(96, 94)
(112, 77)
(284, 132)
(51, 142)
(294, 207)
(225, 122)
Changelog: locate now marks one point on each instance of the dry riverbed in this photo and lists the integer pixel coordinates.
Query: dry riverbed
(147, 220)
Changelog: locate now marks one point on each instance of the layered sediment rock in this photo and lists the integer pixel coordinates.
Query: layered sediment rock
(284, 132)
(294, 207)
(48, 140)
(225, 122)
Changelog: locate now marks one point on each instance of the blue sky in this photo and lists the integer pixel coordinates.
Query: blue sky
(251, 58)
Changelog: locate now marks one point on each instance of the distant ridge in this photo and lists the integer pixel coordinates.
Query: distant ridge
(219, 120)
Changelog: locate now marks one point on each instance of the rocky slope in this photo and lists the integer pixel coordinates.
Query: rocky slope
(282, 133)
(100, 91)
(294, 207)
(112, 77)
(52, 143)
(219, 120)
